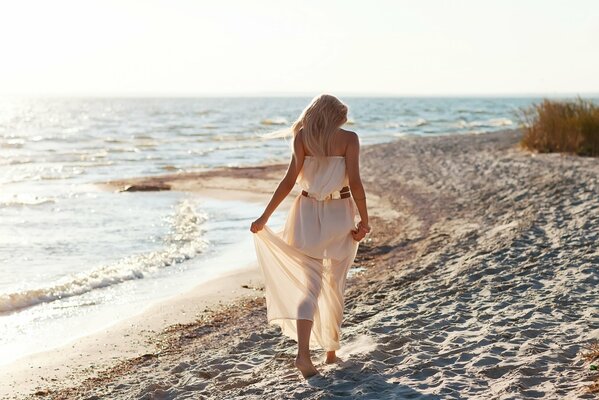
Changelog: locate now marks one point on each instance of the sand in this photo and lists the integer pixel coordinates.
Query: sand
(480, 280)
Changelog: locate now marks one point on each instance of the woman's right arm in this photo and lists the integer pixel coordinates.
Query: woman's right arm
(285, 186)
(352, 157)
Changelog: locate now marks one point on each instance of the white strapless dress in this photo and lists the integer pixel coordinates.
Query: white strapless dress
(305, 264)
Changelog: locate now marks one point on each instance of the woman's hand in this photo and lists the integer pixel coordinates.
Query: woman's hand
(360, 232)
(258, 224)
(363, 226)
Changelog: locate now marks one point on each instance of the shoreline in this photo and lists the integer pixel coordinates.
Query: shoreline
(131, 337)
(101, 348)
(128, 338)
(251, 183)
(472, 240)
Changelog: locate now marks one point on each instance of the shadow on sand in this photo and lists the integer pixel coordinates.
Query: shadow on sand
(355, 379)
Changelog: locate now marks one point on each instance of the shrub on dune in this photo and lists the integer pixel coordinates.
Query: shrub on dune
(562, 126)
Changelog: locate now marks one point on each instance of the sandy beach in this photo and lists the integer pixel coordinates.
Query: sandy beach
(480, 280)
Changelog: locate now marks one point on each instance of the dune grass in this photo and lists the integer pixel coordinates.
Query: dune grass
(561, 126)
(592, 356)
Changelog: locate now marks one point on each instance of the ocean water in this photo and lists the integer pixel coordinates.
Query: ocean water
(75, 257)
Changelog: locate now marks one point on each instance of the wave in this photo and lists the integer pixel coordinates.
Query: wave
(403, 134)
(493, 122)
(142, 137)
(16, 161)
(13, 144)
(500, 122)
(407, 124)
(274, 121)
(44, 175)
(22, 202)
(182, 243)
(52, 176)
(473, 111)
(490, 123)
(148, 144)
(114, 140)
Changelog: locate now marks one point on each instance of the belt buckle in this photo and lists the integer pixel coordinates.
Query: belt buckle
(336, 195)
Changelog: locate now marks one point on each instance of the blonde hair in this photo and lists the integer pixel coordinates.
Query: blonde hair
(318, 122)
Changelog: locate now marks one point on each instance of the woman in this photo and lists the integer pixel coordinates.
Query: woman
(305, 265)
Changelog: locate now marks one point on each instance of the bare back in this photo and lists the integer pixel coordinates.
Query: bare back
(345, 144)
(341, 140)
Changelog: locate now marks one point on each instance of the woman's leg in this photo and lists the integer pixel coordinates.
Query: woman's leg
(306, 309)
(335, 287)
(331, 357)
(303, 361)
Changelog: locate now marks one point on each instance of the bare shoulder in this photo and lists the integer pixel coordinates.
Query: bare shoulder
(350, 138)
(298, 144)
(348, 135)
(298, 140)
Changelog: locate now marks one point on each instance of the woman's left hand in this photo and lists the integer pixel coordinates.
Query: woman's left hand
(258, 224)
(360, 231)
(358, 234)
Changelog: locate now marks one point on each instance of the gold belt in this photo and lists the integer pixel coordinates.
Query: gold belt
(342, 194)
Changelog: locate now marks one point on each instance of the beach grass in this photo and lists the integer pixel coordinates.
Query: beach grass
(561, 126)
(592, 356)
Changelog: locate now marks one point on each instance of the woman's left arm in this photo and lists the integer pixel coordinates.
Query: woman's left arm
(285, 186)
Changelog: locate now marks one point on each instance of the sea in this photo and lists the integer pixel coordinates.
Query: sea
(76, 257)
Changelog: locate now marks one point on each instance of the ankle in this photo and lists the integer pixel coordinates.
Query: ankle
(331, 357)
(303, 356)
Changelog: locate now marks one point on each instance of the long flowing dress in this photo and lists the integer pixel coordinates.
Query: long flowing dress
(305, 264)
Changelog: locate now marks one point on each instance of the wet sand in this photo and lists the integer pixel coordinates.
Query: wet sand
(480, 280)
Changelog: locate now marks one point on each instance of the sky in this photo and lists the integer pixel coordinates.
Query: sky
(282, 47)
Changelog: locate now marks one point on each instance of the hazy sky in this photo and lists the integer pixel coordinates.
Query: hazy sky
(419, 47)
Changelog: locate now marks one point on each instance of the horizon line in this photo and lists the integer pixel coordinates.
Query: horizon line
(298, 95)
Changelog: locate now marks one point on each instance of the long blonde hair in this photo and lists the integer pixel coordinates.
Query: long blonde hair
(318, 122)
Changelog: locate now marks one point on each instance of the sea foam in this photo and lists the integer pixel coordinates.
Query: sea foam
(274, 121)
(182, 243)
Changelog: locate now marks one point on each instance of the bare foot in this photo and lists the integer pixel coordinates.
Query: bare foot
(306, 367)
(331, 357)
